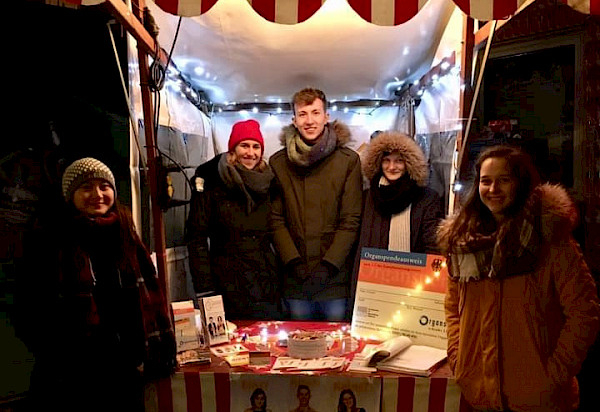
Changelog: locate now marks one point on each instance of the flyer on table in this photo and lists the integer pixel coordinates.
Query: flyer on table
(401, 294)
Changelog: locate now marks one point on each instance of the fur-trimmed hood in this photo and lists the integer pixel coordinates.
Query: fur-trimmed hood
(390, 141)
(558, 216)
(341, 131)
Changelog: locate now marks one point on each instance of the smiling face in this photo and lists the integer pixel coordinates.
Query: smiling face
(393, 166)
(259, 401)
(348, 400)
(303, 397)
(310, 119)
(497, 186)
(248, 153)
(94, 198)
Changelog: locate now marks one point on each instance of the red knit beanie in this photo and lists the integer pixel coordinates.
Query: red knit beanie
(246, 130)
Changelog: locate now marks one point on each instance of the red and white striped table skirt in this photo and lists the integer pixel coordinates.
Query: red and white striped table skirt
(201, 391)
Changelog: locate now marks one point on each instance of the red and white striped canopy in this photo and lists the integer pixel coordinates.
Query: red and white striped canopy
(286, 12)
(502, 9)
(276, 11)
(186, 8)
(387, 12)
(380, 12)
(489, 9)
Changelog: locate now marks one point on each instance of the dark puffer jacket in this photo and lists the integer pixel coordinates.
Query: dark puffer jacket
(241, 264)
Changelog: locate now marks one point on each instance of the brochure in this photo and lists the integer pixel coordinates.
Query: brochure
(387, 349)
(214, 324)
(227, 350)
(294, 364)
(193, 356)
(414, 360)
(186, 332)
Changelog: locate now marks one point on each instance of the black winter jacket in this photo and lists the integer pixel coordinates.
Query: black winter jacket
(240, 263)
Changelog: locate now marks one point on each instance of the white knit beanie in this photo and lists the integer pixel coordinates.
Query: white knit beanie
(82, 170)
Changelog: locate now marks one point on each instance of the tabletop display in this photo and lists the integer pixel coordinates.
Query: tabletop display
(254, 371)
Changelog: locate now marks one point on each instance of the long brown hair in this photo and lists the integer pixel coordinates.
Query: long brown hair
(258, 391)
(341, 405)
(474, 217)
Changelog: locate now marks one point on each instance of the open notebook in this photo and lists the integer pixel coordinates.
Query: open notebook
(399, 355)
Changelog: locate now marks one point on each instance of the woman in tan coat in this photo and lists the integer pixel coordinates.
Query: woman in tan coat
(521, 306)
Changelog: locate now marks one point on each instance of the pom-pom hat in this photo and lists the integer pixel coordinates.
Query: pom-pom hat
(246, 130)
(83, 170)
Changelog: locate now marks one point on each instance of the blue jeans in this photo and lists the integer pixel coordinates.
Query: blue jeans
(331, 310)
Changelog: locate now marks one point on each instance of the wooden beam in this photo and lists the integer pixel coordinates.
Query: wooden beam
(146, 45)
(483, 33)
(466, 133)
(465, 101)
(133, 24)
(466, 73)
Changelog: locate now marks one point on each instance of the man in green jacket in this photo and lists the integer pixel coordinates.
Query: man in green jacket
(316, 209)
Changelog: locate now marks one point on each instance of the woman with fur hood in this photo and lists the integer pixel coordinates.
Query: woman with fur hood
(400, 212)
(521, 306)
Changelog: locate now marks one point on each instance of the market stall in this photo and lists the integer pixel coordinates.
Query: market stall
(220, 386)
(223, 49)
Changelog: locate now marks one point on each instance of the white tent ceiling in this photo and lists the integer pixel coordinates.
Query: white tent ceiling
(235, 55)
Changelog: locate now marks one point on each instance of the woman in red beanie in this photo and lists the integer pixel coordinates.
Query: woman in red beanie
(239, 264)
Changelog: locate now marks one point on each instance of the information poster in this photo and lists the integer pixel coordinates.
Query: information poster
(297, 393)
(401, 294)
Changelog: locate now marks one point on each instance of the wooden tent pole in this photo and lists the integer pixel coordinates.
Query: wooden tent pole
(146, 45)
(133, 23)
(465, 100)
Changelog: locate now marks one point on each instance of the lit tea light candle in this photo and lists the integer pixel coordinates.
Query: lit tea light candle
(263, 335)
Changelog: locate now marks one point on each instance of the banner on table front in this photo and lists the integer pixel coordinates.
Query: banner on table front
(292, 393)
(401, 293)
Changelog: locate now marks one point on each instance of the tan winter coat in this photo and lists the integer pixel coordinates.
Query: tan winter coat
(316, 215)
(517, 343)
